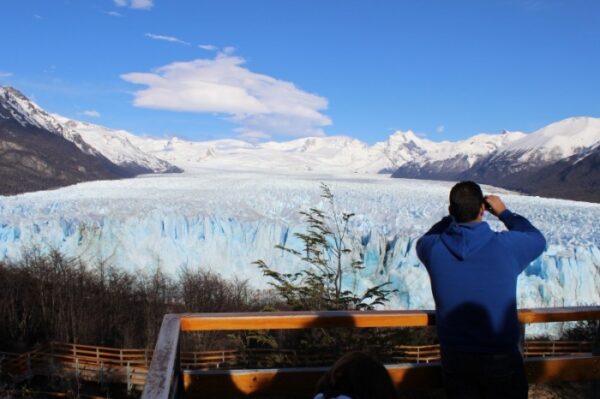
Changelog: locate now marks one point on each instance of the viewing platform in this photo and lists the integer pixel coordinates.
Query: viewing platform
(166, 378)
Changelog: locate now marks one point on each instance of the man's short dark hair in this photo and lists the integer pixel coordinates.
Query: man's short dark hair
(465, 201)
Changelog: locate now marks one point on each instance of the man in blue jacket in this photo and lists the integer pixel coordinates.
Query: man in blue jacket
(473, 272)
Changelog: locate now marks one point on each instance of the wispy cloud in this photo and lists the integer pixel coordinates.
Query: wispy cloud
(4, 74)
(135, 4)
(91, 113)
(114, 14)
(261, 105)
(37, 16)
(440, 129)
(171, 39)
(208, 47)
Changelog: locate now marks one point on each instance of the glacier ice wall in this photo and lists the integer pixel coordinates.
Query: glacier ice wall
(226, 220)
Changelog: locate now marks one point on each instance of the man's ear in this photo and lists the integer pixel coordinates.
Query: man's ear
(482, 210)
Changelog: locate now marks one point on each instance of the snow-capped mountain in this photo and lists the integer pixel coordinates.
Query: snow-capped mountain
(33, 158)
(550, 144)
(549, 161)
(325, 154)
(28, 114)
(513, 160)
(91, 139)
(408, 151)
(117, 146)
(556, 141)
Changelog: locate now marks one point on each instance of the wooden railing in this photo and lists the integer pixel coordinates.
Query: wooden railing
(84, 362)
(57, 358)
(166, 379)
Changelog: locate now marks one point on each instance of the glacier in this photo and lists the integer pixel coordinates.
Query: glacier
(224, 220)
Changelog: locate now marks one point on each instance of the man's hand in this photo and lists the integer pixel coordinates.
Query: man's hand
(494, 205)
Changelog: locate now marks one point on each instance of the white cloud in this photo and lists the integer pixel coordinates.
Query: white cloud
(142, 4)
(171, 39)
(93, 114)
(114, 14)
(4, 74)
(260, 104)
(136, 4)
(440, 129)
(228, 50)
(208, 47)
(37, 16)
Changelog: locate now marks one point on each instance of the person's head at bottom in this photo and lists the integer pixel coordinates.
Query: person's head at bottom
(356, 375)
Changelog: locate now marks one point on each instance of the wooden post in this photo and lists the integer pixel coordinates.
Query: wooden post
(164, 376)
(97, 355)
(596, 352)
(129, 379)
(29, 372)
(522, 340)
(121, 357)
(101, 374)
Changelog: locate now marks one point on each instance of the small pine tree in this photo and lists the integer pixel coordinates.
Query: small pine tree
(327, 258)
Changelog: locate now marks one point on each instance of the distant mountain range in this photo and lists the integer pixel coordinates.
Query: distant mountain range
(39, 150)
(560, 160)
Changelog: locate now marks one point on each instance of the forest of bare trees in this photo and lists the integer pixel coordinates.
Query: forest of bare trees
(53, 297)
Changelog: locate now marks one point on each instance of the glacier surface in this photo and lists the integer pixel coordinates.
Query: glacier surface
(225, 220)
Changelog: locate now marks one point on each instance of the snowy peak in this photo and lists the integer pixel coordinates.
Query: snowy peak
(408, 148)
(117, 147)
(558, 140)
(90, 139)
(13, 104)
(316, 145)
(404, 137)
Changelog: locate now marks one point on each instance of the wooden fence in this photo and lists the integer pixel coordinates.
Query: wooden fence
(106, 365)
(167, 379)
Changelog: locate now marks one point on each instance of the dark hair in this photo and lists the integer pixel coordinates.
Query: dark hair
(465, 201)
(358, 376)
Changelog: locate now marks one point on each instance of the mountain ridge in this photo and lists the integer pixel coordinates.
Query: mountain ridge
(542, 162)
(559, 159)
(40, 151)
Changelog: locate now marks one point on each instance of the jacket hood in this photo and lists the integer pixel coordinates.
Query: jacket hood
(464, 239)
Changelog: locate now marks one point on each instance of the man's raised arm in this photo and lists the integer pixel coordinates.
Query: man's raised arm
(527, 242)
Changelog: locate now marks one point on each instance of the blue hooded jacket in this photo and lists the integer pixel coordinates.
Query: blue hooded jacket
(473, 272)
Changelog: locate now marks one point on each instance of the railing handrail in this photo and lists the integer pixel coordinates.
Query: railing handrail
(360, 319)
(163, 380)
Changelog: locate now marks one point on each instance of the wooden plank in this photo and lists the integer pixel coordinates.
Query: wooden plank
(406, 318)
(302, 381)
(571, 368)
(162, 378)
(296, 381)
(548, 315)
(300, 320)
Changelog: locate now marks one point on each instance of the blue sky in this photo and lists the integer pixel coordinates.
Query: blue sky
(279, 69)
